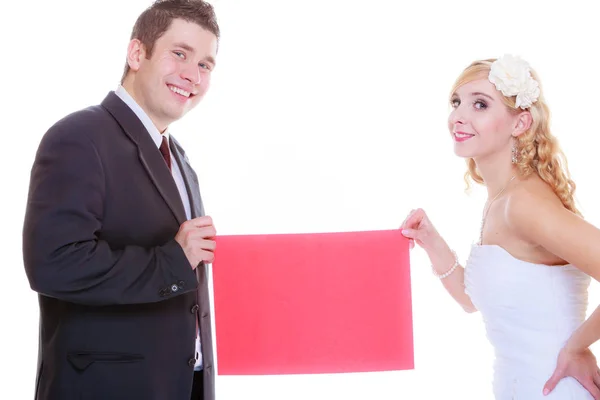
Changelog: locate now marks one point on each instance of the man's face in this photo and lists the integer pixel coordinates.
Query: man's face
(177, 75)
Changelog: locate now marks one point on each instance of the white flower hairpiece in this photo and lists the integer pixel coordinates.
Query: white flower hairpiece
(512, 76)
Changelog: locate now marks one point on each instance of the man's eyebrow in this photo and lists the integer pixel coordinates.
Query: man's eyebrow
(211, 60)
(185, 46)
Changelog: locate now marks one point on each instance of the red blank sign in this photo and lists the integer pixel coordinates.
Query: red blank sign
(313, 303)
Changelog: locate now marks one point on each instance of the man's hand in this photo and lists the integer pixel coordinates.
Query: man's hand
(196, 238)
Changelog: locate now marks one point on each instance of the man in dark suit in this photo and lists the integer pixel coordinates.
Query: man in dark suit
(115, 237)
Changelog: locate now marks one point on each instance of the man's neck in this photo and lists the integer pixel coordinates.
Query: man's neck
(130, 89)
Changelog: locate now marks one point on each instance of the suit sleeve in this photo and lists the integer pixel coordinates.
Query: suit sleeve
(63, 255)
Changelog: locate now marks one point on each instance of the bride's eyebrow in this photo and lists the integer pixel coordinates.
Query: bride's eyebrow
(482, 94)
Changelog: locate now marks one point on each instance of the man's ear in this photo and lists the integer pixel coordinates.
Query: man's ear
(523, 123)
(136, 52)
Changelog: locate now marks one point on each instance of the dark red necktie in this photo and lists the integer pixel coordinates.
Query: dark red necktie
(164, 150)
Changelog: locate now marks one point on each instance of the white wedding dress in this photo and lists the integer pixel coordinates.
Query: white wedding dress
(529, 311)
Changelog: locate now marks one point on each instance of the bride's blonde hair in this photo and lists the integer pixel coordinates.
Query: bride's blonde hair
(537, 149)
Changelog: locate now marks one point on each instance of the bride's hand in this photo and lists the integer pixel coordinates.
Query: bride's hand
(419, 229)
(579, 364)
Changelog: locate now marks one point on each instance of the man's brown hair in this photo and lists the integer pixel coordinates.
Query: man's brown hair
(156, 19)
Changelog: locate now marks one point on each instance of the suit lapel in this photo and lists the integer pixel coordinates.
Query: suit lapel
(149, 155)
(197, 208)
(189, 177)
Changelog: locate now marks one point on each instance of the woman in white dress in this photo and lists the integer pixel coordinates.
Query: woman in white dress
(530, 271)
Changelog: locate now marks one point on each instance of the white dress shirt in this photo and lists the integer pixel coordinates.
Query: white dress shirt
(175, 171)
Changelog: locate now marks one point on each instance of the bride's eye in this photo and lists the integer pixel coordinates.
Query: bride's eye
(480, 105)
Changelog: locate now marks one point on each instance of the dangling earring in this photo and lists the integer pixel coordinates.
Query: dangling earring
(514, 153)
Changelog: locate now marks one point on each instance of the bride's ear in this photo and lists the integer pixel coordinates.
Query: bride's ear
(522, 123)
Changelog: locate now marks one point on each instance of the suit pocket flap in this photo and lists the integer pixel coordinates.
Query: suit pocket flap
(80, 360)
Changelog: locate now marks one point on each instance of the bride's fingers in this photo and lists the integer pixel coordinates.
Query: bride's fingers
(553, 381)
(597, 378)
(592, 388)
(403, 224)
(410, 233)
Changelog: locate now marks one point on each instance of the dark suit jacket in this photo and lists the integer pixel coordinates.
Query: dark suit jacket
(118, 298)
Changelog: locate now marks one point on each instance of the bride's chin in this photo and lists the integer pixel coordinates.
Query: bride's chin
(463, 154)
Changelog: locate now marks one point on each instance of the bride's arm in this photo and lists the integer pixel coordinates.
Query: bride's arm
(419, 229)
(587, 334)
(548, 224)
(442, 260)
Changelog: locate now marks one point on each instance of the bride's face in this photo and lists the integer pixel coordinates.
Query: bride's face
(480, 123)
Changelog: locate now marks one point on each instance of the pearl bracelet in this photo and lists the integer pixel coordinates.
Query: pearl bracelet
(450, 271)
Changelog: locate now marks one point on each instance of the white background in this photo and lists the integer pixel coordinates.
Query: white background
(323, 116)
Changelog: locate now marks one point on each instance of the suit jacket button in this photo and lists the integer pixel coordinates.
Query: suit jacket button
(162, 293)
(192, 362)
(174, 288)
(181, 284)
(195, 309)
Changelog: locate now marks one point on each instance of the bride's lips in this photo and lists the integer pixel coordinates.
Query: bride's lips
(462, 136)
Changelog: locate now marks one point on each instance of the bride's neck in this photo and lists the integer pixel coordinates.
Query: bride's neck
(496, 173)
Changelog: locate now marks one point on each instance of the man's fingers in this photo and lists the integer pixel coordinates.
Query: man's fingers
(203, 256)
(200, 222)
(199, 242)
(208, 245)
(207, 232)
(207, 256)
